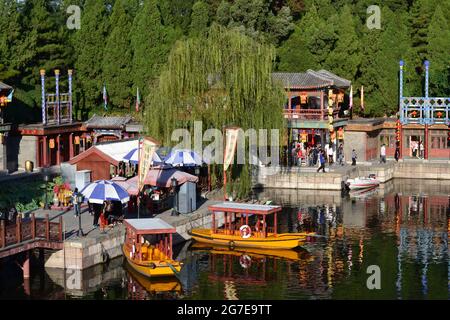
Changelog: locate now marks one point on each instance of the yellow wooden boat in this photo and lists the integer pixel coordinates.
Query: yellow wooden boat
(148, 247)
(238, 233)
(158, 285)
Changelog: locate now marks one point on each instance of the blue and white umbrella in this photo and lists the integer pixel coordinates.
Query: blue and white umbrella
(103, 190)
(133, 157)
(183, 157)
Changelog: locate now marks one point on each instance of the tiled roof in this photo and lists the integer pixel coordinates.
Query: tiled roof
(107, 122)
(310, 80)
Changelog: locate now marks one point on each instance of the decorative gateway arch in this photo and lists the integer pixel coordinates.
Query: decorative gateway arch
(423, 112)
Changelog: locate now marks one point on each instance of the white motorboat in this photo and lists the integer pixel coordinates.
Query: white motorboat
(363, 182)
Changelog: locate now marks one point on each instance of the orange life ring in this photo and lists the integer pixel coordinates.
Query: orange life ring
(245, 231)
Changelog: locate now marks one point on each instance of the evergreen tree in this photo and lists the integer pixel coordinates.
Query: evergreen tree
(89, 46)
(151, 43)
(11, 48)
(256, 19)
(345, 58)
(199, 19)
(117, 58)
(439, 54)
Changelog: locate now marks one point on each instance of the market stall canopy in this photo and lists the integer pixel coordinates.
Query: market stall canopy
(162, 178)
(103, 190)
(133, 157)
(184, 158)
(127, 185)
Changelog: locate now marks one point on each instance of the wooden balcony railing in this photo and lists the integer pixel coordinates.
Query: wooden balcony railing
(309, 114)
(30, 229)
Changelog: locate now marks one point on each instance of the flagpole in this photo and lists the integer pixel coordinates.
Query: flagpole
(139, 178)
(224, 171)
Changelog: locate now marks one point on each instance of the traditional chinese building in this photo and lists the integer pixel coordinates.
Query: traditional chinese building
(317, 107)
(58, 137)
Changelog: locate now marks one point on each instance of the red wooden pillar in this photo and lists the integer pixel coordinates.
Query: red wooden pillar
(33, 226)
(275, 223)
(58, 149)
(71, 153)
(44, 151)
(401, 141)
(166, 251)
(213, 224)
(171, 246)
(264, 226)
(425, 143)
(18, 229)
(26, 266)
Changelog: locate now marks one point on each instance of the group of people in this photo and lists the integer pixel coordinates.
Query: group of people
(313, 155)
(106, 214)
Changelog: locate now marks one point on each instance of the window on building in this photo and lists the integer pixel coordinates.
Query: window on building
(388, 140)
(439, 141)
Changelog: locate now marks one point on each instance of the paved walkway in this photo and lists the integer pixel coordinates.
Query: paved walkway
(71, 223)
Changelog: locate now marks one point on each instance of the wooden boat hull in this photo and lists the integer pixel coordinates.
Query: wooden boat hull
(155, 268)
(162, 284)
(280, 241)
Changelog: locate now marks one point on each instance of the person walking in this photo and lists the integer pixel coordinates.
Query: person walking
(97, 212)
(340, 154)
(330, 155)
(383, 153)
(322, 162)
(397, 153)
(76, 205)
(354, 156)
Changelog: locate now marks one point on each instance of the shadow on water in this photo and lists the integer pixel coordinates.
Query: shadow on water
(401, 227)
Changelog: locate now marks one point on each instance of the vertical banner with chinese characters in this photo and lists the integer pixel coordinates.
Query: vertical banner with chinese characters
(231, 136)
(146, 150)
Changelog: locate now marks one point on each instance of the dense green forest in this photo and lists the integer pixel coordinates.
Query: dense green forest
(126, 43)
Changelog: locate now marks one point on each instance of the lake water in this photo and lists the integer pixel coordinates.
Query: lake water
(401, 228)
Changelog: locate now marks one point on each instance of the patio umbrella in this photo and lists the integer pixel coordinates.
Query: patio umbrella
(183, 157)
(133, 155)
(162, 177)
(102, 190)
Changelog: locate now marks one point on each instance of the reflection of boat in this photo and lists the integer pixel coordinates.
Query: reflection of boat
(363, 193)
(363, 182)
(148, 247)
(253, 252)
(157, 285)
(240, 234)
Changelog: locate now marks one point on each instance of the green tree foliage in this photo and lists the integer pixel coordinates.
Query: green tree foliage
(221, 79)
(118, 54)
(151, 42)
(199, 19)
(256, 19)
(439, 54)
(89, 45)
(382, 51)
(345, 58)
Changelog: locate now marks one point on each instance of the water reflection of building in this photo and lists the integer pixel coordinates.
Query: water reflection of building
(81, 283)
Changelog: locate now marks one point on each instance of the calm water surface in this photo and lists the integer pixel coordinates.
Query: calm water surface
(402, 228)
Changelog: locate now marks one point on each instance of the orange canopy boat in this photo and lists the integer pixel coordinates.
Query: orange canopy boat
(238, 233)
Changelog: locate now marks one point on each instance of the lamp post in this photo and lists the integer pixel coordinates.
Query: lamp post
(46, 179)
(174, 183)
(79, 200)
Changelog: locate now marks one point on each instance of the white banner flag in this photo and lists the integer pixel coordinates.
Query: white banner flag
(231, 136)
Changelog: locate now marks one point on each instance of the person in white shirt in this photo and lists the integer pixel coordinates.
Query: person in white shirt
(383, 153)
(330, 155)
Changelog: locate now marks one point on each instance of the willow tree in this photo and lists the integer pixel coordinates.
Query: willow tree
(221, 79)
